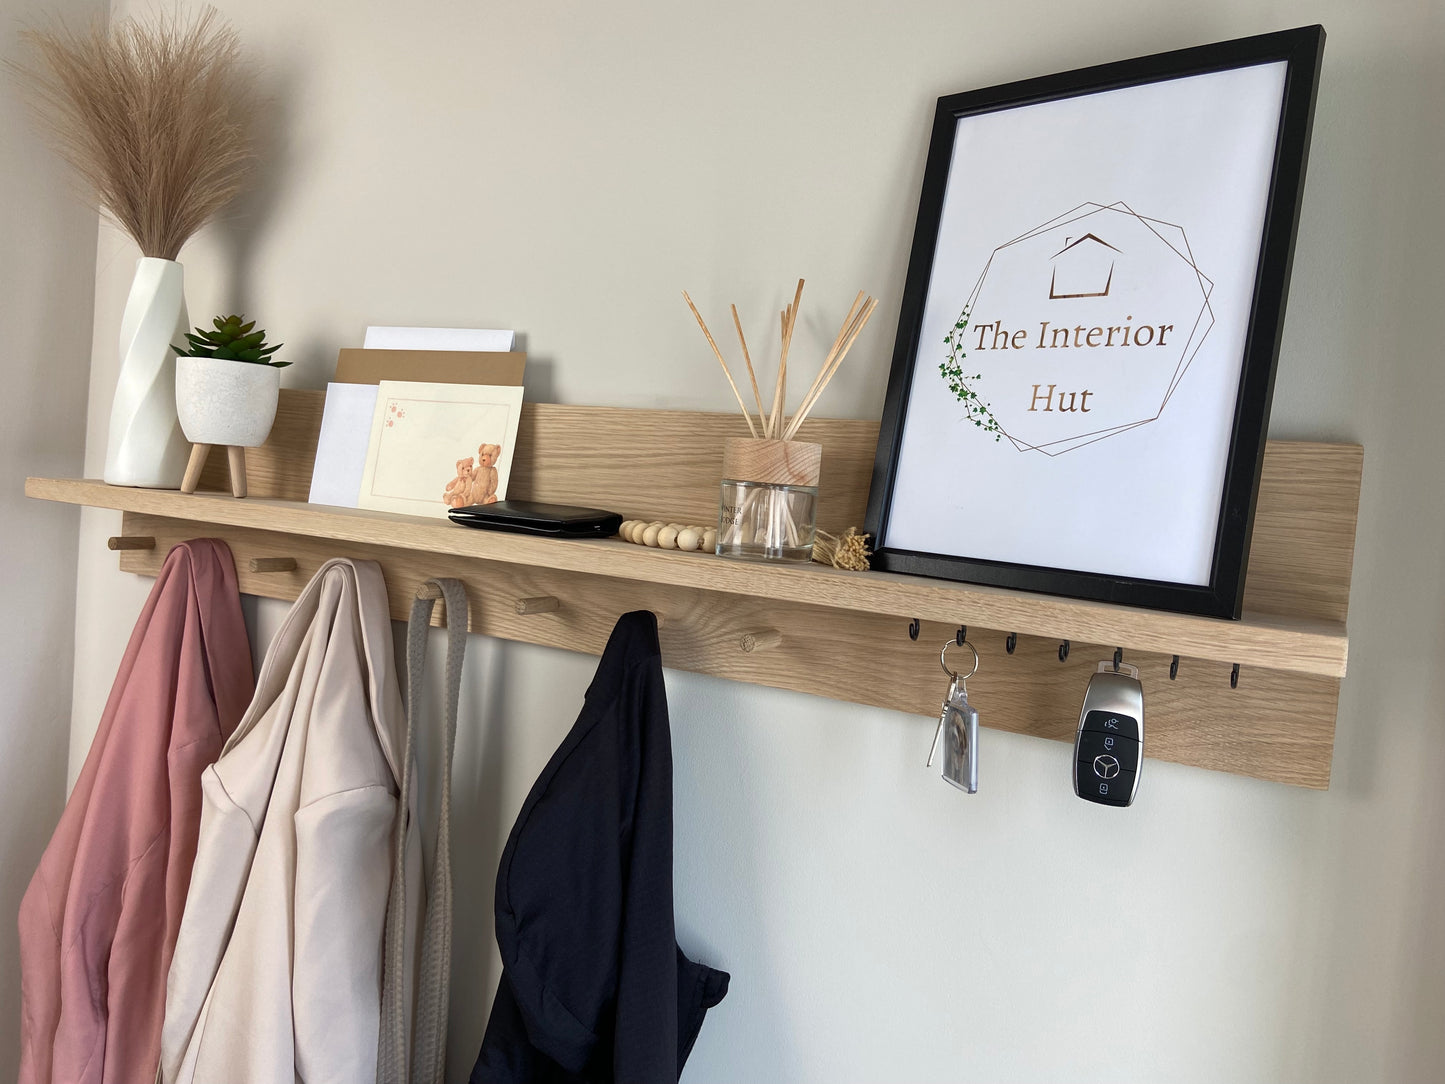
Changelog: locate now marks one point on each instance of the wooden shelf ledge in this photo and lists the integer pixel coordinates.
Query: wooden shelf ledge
(807, 628)
(1299, 645)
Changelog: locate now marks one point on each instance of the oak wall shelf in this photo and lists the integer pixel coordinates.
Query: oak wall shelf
(810, 628)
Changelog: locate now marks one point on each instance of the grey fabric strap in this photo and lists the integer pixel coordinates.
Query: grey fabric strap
(428, 1055)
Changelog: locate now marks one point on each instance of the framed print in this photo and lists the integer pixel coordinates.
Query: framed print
(435, 447)
(1087, 342)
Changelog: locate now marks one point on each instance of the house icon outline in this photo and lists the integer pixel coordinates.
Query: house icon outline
(1083, 267)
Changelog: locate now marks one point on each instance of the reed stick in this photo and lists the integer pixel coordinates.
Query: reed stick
(774, 422)
(845, 330)
(833, 350)
(860, 321)
(780, 394)
(848, 333)
(726, 372)
(748, 361)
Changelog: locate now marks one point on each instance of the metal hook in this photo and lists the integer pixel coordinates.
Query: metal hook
(1234, 677)
(913, 629)
(1064, 651)
(1118, 658)
(961, 635)
(943, 660)
(1011, 643)
(1174, 668)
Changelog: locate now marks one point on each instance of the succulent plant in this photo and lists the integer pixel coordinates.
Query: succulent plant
(231, 341)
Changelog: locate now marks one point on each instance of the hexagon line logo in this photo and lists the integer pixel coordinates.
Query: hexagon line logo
(1079, 329)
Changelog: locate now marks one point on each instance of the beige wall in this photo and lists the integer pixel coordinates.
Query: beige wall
(47, 262)
(566, 169)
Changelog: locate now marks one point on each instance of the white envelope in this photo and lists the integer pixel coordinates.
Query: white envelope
(436, 338)
(341, 447)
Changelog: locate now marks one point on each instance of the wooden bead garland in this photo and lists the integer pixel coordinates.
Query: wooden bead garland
(668, 536)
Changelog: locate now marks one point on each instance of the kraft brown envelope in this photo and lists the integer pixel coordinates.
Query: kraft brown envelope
(357, 366)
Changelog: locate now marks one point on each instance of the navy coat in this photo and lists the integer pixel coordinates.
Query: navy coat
(594, 986)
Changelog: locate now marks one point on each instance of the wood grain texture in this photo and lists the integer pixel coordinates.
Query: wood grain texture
(195, 464)
(778, 462)
(1277, 726)
(664, 464)
(236, 464)
(815, 629)
(280, 468)
(273, 564)
(1303, 551)
(646, 464)
(1312, 645)
(657, 464)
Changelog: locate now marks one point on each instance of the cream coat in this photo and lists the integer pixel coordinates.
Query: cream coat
(277, 969)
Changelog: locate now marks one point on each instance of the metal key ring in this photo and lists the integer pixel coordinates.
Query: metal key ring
(943, 661)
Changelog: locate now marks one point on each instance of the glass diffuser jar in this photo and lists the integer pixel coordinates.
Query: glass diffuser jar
(768, 499)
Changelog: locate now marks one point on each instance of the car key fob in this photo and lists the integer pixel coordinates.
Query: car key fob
(1109, 744)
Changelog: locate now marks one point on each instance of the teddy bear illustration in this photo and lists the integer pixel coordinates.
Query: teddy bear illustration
(458, 493)
(484, 481)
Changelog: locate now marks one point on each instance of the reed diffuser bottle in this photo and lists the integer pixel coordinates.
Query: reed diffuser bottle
(768, 499)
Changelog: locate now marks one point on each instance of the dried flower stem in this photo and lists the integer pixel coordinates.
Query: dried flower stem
(848, 552)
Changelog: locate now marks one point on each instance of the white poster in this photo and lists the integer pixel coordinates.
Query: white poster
(435, 447)
(1072, 399)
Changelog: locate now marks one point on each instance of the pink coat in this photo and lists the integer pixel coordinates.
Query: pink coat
(98, 923)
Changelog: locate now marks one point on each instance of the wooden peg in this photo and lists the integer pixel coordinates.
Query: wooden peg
(273, 564)
(429, 590)
(194, 467)
(760, 640)
(237, 457)
(130, 542)
(542, 604)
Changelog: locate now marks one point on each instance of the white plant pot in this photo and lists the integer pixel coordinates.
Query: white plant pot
(226, 402)
(144, 446)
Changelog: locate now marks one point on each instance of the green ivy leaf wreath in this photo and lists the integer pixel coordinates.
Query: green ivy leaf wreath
(975, 409)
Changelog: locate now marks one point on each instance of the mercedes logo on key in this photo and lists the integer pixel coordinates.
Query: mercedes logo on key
(1105, 766)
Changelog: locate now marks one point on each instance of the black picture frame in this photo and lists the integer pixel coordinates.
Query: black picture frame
(1301, 49)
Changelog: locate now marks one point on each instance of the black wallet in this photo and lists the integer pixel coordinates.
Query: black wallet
(529, 517)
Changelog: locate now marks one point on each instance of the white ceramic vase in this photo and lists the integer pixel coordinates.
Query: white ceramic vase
(226, 402)
(144, 446)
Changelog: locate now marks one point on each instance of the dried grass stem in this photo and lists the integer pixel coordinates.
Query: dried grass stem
(155, 117)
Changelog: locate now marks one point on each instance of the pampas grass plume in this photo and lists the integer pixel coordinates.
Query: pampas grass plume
(155, 116)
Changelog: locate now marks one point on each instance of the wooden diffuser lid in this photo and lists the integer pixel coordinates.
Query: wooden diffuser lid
(776, 462)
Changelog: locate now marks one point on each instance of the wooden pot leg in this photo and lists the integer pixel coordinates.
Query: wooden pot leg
(194, 467)
(237, 458)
